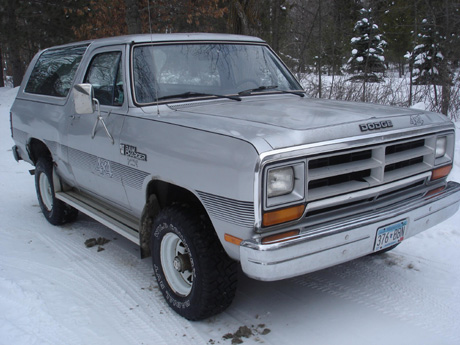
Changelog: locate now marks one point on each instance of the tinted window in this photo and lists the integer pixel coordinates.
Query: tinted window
(54, 71)
(105, 75)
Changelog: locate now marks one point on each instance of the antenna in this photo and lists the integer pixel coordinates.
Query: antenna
(150, 21)
(151, 41)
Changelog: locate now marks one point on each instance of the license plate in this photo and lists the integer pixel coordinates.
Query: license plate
(390, 235)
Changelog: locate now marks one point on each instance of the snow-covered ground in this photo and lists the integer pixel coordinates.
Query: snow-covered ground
(54, 290)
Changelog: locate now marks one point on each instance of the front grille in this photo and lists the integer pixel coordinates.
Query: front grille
(391, 149)
(403, 164)
(339, 179)
(339, 159)
(352, 170)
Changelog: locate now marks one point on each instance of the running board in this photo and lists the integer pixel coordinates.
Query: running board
(124, 225)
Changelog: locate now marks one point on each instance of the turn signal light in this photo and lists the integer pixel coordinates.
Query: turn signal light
(282, 216)
(233, 239)
(441, 172)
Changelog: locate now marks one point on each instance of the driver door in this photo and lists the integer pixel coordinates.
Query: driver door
(93, 143)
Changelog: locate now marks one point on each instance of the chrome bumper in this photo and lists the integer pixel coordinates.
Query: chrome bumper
(344, 240)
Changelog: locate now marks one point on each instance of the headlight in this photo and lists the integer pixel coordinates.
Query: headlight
(441, 146)
(284, 184)
(280, 181)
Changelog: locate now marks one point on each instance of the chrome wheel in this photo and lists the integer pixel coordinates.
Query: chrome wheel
(46, 192)
(55, 211)
(176, 264)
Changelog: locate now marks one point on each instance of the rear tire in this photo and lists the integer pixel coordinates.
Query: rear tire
(55, 211)
(195, 275)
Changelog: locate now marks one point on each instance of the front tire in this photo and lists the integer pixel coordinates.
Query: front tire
(195, 275)
(55, 211)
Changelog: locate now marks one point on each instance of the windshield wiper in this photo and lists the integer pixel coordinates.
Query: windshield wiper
(190, 94)
(298, 93)
(257, 89)
(269, 87)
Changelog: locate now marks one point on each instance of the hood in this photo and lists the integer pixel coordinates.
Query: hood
(289, 120)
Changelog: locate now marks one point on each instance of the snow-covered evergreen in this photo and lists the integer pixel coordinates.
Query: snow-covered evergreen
(427, 59)
(368, 48)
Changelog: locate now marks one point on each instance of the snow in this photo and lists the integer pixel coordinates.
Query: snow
(420, 59)
(419, 105)
(54, 290)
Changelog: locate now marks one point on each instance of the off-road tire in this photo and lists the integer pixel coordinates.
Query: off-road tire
(55, 211)
(213, 273)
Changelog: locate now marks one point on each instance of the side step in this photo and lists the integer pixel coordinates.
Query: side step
(123, 224)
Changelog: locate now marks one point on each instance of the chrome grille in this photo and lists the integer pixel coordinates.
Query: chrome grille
(352, 170)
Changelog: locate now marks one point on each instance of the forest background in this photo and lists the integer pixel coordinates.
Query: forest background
(397, 52)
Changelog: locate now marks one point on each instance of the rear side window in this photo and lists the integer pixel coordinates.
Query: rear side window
(54, 71)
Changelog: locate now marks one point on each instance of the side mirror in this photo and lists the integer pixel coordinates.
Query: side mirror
(83, 95)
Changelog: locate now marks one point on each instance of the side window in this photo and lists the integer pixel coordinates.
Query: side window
(105, 74)
(54, 71)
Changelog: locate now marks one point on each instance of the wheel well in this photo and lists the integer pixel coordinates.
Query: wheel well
(169, 194)
(37, 149)
(159, 195)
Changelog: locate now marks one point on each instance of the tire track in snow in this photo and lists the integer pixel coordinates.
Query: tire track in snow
(118, 281)
(375, 285)
(35, 320)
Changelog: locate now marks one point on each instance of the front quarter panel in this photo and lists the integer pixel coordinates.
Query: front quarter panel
(218, 169)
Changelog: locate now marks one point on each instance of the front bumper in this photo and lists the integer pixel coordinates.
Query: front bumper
(344, 240)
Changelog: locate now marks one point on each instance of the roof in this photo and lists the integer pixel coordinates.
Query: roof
(176, 37)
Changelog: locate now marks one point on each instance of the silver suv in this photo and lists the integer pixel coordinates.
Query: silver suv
(205, 151)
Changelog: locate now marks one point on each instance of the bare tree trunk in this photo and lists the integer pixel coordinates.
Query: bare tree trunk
(411, 62)
(363, 97)
(410, 84)
(304, 47)
(401, 67)
(445, 98)
(133, 20)
(242, 26)
(14, 52)
(435, 94)
(446, 79)
(320, 84)
(2, 82)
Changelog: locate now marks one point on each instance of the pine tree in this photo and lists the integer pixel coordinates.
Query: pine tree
(367, 48)
(429, 66)
(397, 20)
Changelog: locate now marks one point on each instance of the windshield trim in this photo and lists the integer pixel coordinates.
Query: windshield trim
(198, 98)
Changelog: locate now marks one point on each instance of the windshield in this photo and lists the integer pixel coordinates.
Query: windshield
(163, 71)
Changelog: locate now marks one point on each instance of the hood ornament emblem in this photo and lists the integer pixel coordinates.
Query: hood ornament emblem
(372, 126)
